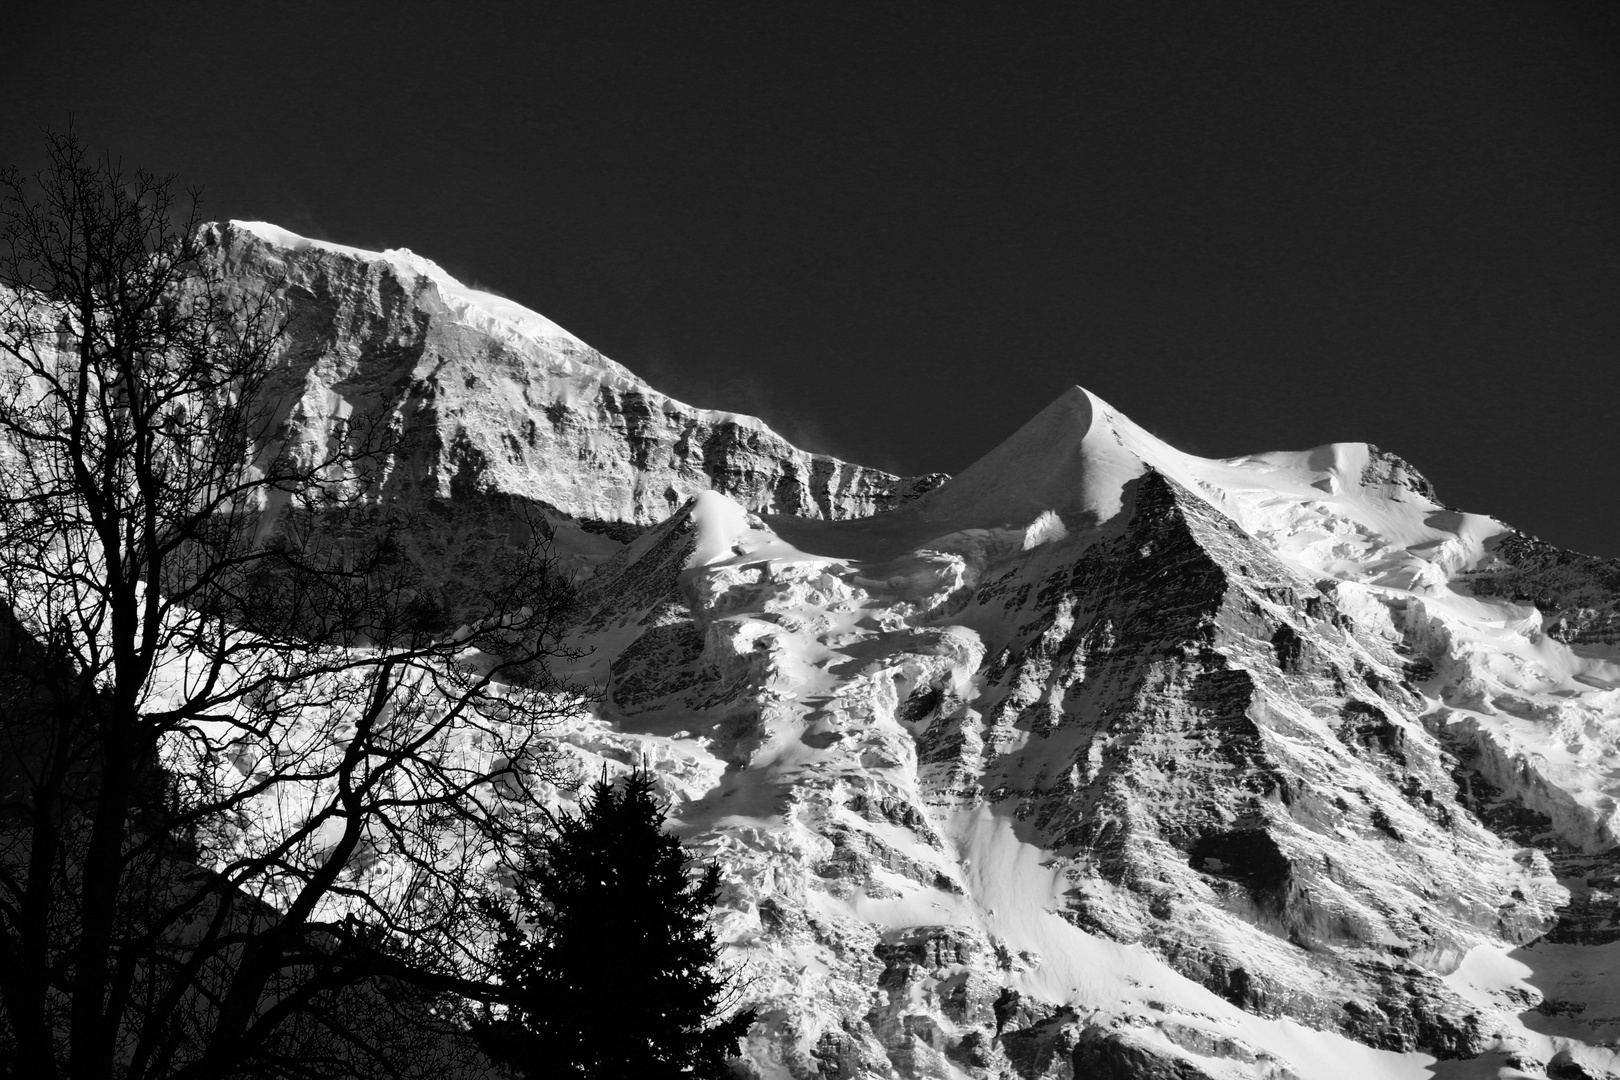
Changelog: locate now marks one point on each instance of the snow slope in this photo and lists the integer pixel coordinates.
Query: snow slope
(481, 396)
(939, 758)
(1347, 512)
(1099, 759)
(500, 317)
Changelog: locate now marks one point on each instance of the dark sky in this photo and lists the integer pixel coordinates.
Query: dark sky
(897, 230)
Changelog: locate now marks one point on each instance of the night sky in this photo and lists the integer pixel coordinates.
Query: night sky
(898, 230)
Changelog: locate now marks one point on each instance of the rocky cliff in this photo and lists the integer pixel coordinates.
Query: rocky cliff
(477, 394)
(1130, 764)
(1098, 760)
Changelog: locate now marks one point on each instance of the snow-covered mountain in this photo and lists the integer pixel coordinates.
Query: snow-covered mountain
(1097, 760)
(483, 395)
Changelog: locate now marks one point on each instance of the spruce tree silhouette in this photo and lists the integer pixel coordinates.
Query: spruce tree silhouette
(615, 975)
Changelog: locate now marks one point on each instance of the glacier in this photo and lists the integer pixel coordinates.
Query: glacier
(1098, 759)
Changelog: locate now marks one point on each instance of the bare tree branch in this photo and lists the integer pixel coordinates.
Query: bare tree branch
(256, 769)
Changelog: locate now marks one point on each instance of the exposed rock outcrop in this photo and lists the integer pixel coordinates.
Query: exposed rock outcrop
(1576, 593)
(1100, 760)
(481, 395)
(1114, 799)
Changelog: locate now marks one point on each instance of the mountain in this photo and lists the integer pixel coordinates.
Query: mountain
(1105, 760)
(1097, 760)
(482, 395)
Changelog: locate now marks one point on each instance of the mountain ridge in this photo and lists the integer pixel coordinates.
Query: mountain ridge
(1098, 759)
(481, 394)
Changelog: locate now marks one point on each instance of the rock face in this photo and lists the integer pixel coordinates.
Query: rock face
(481, 395)
(1302, 837)
(1579, 595)
(1098, 760)
(1123, 770)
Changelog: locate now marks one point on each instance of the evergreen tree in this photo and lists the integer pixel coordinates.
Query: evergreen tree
(614, 976)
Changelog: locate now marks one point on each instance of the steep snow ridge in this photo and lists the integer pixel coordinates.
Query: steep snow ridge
(721, 523)
(1340, 510)
(485, 398)
(1348, 512)
(485, 310)
(1069, 460)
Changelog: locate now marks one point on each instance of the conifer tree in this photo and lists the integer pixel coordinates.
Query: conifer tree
(615, 974)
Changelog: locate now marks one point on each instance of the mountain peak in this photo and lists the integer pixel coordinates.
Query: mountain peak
(1072, 458)
(1248, 783)
(476, 306)
(492, 398)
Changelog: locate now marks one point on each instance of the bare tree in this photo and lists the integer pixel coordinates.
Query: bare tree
(257, 764)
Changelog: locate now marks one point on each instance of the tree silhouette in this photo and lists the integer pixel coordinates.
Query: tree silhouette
(611, 971)
(252, 772)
